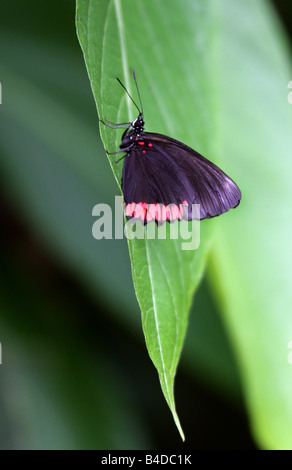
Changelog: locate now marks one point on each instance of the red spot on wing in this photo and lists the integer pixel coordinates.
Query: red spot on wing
(150, 145)
(141, 143)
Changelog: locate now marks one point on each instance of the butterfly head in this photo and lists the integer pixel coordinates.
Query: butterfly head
(133, 133)
(138, 124)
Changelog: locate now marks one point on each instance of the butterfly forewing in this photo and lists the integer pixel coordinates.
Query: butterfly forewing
(162, 170)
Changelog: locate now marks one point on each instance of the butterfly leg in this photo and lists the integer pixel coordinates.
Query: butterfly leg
(114, 153)
(119, 151)
(113, 125)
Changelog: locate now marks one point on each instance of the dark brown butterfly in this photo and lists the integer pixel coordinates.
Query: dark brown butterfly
(163, 178)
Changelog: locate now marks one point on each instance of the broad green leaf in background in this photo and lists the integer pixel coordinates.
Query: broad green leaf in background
(251, 264)
(119, 36)
(250, 261)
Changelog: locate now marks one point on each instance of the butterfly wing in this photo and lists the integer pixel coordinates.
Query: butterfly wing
(162, 170)
(150, 186)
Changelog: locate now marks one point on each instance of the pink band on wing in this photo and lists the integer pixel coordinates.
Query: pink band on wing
(158, 212)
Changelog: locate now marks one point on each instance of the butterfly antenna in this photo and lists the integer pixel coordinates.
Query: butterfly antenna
(128, 93)
(134, 75)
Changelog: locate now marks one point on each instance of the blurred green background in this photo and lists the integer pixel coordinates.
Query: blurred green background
(75, 372)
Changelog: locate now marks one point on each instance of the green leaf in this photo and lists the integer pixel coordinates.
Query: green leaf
(55, 120)
(116, 37)
(251, 263)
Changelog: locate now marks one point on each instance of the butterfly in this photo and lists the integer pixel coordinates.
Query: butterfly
(162, 177)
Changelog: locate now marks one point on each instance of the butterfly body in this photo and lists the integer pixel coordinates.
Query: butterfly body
(162, 178)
